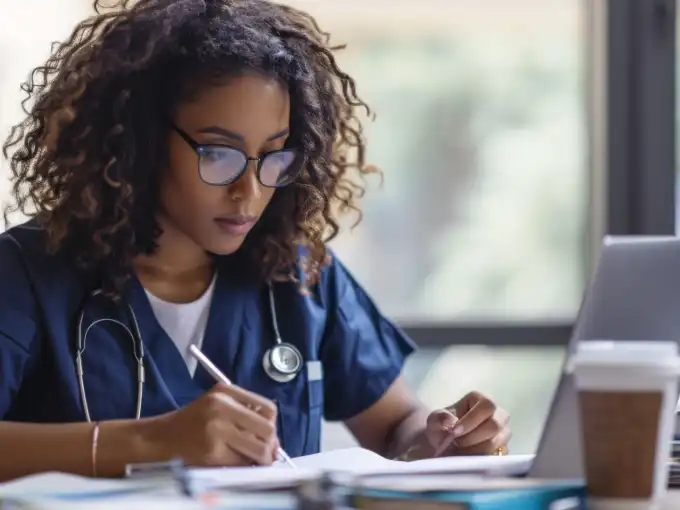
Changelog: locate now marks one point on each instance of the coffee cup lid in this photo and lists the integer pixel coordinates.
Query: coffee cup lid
(662, 354)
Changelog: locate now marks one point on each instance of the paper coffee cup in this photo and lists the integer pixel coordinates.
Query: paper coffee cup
(627, 394)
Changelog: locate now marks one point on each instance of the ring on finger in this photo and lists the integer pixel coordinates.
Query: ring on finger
(500, 451)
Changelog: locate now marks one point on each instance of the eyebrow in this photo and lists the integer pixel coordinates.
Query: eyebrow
(216, 130)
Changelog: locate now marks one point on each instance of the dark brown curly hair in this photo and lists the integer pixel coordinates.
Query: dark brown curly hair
(85, 162)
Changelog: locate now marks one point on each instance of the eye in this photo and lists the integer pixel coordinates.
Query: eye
(221, 155)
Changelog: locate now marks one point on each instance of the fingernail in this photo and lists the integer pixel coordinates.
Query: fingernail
(458, 431)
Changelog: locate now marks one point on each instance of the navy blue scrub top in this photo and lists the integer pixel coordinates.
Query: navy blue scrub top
(41, 296)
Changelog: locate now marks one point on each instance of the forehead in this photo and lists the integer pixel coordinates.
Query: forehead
(251, 104)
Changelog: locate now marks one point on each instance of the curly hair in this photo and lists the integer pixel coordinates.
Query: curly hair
(86, 160)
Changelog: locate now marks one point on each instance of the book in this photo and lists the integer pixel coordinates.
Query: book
(420, 492)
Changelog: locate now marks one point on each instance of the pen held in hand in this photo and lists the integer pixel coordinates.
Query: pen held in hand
(217, 374)
(449, 441)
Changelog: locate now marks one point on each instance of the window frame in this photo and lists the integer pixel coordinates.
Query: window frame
(630, 110)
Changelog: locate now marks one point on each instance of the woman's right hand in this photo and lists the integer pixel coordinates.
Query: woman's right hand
(228, 426)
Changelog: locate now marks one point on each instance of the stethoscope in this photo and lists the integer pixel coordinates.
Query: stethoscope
(281, 363)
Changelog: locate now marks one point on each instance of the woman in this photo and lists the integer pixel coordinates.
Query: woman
(182, 163)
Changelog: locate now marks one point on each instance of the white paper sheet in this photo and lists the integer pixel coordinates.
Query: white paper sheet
(168, 502)
(353, 460)
(251, 477)
(63, 484)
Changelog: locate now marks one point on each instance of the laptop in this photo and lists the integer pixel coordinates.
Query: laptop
(633, 294)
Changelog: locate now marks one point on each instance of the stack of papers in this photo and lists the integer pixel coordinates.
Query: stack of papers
(50, 490)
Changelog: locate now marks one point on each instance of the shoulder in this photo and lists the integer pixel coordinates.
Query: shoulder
(21, 248)
(18, 305)
(26, 238)
(24, 248)
(335, 280)
(27, 269)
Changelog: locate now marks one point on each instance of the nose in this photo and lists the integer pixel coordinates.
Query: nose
(247, 187)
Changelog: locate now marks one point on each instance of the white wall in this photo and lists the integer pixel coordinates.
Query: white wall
(27, 28)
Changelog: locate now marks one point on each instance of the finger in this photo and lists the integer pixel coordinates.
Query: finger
(249, 445)
(441, 420)
(478, 414)
(243, 418)
(490, 446)
(486, 431)
(264, 406)
(275, 450)
(466, 403)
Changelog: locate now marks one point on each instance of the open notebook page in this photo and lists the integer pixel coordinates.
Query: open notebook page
(361, 461)
(358, 461)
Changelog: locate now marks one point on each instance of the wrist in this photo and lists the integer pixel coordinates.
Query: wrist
(122, 442)
(408, 440)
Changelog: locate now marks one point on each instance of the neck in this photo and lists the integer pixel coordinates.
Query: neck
(178, 271)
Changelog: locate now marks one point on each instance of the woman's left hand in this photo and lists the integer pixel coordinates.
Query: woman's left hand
(476, 425)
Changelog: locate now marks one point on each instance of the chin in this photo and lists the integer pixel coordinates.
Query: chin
(224, 247)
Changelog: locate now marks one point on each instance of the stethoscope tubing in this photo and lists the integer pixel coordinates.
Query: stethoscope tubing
(275, 373)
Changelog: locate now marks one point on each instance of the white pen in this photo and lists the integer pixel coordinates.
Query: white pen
(220, 377)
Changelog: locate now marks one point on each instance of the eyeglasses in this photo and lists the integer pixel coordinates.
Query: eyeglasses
(219, 165)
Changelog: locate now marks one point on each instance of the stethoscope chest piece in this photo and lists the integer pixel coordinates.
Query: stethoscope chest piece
(282, 362)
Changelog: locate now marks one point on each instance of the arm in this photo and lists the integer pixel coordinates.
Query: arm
(29, 448)
(363, 355)
(394, 425)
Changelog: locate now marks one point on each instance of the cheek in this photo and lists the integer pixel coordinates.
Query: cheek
(181, 185)
(260, 204)
(267, 195)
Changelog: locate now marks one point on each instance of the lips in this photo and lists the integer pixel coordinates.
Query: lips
(235, 225)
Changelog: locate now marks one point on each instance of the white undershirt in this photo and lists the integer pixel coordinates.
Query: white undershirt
(184, 323)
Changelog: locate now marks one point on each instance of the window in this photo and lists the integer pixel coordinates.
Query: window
(480, 132)
(482, 218)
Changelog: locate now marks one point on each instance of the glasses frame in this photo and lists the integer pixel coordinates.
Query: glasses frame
(201, 148)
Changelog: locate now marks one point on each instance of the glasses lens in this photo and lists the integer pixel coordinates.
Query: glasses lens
(280, 168)
(220, 165)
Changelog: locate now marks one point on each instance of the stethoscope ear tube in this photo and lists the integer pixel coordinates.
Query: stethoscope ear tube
(138, 351)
